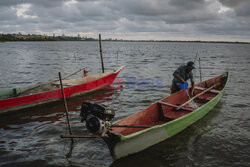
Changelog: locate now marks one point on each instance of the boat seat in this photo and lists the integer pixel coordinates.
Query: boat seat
(205, 99)
(212, 90)
(174, 115)
(171, 115)
(175, 106)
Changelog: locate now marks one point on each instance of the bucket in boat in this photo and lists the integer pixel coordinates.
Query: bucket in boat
(183, 86)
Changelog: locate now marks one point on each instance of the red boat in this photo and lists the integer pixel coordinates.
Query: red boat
(22, 98)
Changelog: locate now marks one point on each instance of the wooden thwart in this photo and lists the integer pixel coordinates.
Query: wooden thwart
(212, 90)
(175, 106)
(82, 136)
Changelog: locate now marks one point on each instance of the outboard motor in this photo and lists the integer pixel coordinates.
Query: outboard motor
(97, 116)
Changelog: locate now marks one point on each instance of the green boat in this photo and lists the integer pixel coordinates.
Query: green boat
(159, 121)
(164, 118)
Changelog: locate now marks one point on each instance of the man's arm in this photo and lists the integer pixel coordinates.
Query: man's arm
(176, 75)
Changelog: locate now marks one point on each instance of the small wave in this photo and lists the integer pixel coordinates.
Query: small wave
(239, 105)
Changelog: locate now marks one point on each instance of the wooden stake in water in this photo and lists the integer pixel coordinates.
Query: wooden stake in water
(195, 56)
(200, 68)
(65, 105)
(100, 43)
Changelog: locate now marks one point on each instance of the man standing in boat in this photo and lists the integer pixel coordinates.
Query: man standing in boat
(181, 75)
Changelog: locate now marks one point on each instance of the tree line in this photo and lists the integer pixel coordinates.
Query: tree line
(33, 37)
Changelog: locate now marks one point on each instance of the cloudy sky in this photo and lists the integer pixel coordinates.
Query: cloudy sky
(130, 19)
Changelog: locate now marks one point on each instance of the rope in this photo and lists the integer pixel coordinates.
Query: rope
(69, 75)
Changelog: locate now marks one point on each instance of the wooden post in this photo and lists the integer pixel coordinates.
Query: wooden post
(200, 68)
(100, 43)
(65, 105)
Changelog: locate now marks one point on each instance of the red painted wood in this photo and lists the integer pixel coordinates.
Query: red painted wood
(175, 114)
(147, 117)
(5, 103)
(175, 106)
(93, 84)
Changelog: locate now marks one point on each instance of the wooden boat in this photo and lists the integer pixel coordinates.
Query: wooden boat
(162, 120)
(22, 98)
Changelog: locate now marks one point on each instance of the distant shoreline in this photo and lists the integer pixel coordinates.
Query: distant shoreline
(41, 38)
(170, 41)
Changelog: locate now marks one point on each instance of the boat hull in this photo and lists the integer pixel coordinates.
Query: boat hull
(138, 141)
(90, 84)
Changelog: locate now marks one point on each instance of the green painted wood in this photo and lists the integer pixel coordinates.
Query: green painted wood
(181, 123)
(7, 93)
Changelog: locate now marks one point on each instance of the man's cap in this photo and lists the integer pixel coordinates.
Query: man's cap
(191, 65)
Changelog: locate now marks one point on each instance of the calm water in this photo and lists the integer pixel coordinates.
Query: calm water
(31, 137)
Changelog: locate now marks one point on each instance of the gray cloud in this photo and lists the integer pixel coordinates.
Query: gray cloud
(42, 3)
(241, 7)
(159, 19)
(232, 3)
(188, 5)
(7, 14)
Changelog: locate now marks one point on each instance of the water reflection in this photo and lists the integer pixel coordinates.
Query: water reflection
(39, 130)
(53, 112)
